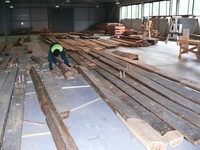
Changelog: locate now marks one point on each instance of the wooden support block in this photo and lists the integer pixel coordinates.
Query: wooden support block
(151, 139)
(174, 138)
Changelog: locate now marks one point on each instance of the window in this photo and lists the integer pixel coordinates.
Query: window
(185, 7)
(136, 11)
(155, 8)
(196, 7)
(124, 12)
(173, 5)
(146, 9)
(163, 8)
(168, 7)
(129, 12)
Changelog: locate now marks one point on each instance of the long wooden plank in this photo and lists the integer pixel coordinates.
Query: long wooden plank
(191, 132)
(189, 83)
(56, 95)
(5, 95)
(175, 117)
(126, 42)
(3, 65)
(90, 44)
(60, 133)
(128, 55)
(107, 45)
(151, 139)
(3, 76)
(154, 121)
(170, 84)
(173, 107)
(174, 86)
(12, 137)
(111, 42)
(157, 87)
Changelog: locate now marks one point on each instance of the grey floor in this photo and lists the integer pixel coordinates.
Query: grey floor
(92, 124)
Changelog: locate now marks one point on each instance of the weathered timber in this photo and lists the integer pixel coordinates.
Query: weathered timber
(191, 84)
(60, 133)
(190, 131)
(129, 44)
(43, 62)
(154, 86)
(56, 95)
(13, 131)
(29, 47)
(144, 113)
(189, 115)
(151, 141)
(107, 45)
(128, 55)
(91, 45)
(3, 65)
(13, 60)
(5, 94)
(3, 76)
(67, 72)
(111, 42)
(8, 49)
(184, 122)
(67, 46)
(171, 85)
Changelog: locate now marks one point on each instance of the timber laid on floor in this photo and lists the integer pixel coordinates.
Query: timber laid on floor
(173, 110)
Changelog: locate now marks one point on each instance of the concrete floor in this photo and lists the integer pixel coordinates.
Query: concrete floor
(92, 123)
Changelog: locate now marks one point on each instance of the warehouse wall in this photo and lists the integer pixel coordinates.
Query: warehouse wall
(39, 19)
(57, 20)
(4, 20)
(61, 20)
(85, 18)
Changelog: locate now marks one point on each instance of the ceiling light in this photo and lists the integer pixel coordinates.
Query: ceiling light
(7, 1)
(97, 6)
(67, 1)
(57, 6)
(117, 2)
(11, 6)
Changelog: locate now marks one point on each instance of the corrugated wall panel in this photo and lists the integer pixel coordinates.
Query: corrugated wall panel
(61, 20)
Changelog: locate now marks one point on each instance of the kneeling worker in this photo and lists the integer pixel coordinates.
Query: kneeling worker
(54, 51)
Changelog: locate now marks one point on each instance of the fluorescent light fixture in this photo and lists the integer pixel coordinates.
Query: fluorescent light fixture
(7, 1)
(117, 2)
(11, 6)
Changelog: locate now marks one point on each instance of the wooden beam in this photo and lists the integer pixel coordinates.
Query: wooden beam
(60, 133)
(5, 94)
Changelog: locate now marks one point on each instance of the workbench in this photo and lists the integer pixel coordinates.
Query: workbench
(189, 46)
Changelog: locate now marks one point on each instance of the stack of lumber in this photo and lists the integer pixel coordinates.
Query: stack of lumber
(127, 55)
(115, 29)
(158, 109)
(135, 41)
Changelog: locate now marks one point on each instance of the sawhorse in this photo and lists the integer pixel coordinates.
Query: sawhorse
(184, 47)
